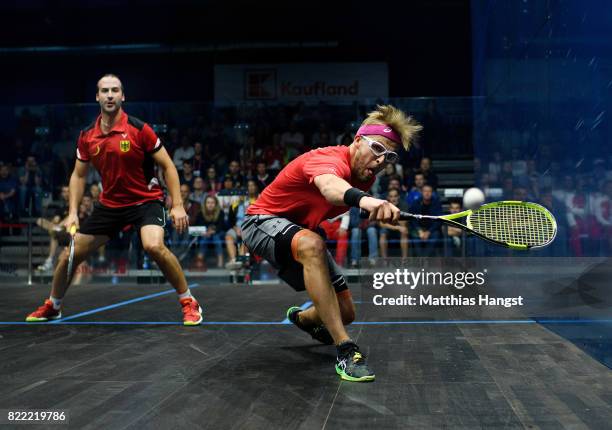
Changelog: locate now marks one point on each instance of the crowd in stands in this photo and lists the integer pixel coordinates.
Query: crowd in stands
(227, 158)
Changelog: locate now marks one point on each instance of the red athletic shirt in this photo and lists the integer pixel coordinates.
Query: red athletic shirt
(293, 194)
(123, 157)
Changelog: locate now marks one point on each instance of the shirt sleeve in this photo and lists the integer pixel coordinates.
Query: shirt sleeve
(149, 139)
(82, 152)
(321, 164)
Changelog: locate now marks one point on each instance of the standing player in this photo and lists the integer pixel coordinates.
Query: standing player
(123, 149)
(318, 185)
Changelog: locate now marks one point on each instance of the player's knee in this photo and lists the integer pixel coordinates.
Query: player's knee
(155, 250)
(311, 246)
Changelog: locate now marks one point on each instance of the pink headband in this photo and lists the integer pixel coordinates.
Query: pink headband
(380, 130)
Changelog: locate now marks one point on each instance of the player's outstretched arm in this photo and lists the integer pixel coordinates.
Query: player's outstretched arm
(76, 189)
(177, 213)
(335, 189)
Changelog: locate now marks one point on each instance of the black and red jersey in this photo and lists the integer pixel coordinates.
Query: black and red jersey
(124, 159)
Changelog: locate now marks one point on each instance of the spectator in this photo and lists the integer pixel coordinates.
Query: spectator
(186, 175)
(211, 183)
(431, 178)
(427, 232)
(357, 225)
(197, 162)
(192, 208)
(384, 178)
(31, 186)
(416, 191)
(263, 177)
(183, 153)
(237, 212)
(228, 195)
(198, 194)
(8, 192)
(53, 225)
(94, 191)
(393, 233)
(292, 138)
(337, 230)
(211, 216)
(322, 137)
(233, 171)
(454, 234)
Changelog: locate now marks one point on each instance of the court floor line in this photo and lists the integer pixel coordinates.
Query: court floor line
(116, 305)
(303, 307)
(255, 323)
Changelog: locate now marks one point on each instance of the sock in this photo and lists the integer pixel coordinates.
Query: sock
(185, 295)
(57, 303)
(346, 347)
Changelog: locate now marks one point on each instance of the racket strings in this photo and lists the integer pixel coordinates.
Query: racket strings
(516, 224)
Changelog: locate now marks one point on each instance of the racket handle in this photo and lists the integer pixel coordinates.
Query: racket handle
(72, 230)
(363, 214)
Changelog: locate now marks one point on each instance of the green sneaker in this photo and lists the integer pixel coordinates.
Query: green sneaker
(351, 364)
(318, 332)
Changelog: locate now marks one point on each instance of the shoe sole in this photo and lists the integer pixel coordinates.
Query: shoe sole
(35, 319)
(198, 322)
(346, 377)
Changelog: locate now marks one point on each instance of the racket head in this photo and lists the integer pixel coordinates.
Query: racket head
(514, 224)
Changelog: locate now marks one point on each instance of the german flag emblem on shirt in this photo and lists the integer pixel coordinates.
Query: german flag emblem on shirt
(124, 145)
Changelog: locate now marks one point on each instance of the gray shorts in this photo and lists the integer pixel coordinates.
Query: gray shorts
(269, 237)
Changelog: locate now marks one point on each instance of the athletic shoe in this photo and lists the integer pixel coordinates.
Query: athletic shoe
(351, 365)
(192, 312)
(48, 265)
(45, 313)
(318, 332)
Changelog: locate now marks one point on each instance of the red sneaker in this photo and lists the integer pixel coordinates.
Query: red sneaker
(45, 313)
(192, 312)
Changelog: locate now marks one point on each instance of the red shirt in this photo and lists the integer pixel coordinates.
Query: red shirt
(123, 157)
(293, 194)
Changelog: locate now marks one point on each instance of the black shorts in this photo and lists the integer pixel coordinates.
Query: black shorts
(110, 221)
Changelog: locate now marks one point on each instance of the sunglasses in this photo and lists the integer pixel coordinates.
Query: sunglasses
(378, 149)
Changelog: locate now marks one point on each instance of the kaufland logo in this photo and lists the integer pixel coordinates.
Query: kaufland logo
(260, 84)
(319, 89)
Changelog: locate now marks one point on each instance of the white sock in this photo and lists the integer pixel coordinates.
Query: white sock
(57, 303)
(185, 295)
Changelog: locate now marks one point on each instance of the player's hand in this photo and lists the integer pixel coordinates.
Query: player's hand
(179, 218)
(380, 210)
(71, 219)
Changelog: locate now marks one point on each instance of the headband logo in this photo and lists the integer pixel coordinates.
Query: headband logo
(387, 130)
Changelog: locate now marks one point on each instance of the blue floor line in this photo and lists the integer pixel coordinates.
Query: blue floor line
(116, 305)
(64, 322)
(303, 307)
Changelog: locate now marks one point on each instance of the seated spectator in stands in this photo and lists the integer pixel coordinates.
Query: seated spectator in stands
(186, 175)
(233, 170)
(431, 178)
(263, 177)
(211, 182)
(228, 195)
(56, 212)
(192, 207)
(197, 161)
(183, 153)
(198, 194)
(237, 212)
(274, 155)
(31, 186)
(384, 178)
(87, 202)
(336, 229)
(416, 189)
(394, 233)
(211, 216)
(322, 137)
(395, 183)
(507, 188)
(8, 195)
(94, 192)
(520, 193)
(357, 225)
(454, 234)
(292, 138)
(427, 232)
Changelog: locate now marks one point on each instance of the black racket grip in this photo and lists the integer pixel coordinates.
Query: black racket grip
(364, 214)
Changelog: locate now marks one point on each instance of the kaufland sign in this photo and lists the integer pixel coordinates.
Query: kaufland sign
(310, 83)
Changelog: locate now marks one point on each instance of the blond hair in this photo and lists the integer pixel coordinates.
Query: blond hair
(406, 126)
(214, 215)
